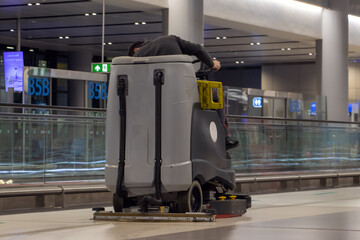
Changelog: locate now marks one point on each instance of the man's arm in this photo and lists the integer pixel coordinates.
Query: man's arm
(199, 51)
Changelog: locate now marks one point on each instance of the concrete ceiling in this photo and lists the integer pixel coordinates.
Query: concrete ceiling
(43, 25)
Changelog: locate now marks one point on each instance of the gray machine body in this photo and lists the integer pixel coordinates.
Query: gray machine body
(192, 139)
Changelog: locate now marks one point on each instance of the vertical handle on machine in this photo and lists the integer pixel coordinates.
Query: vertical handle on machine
(158, 82)
(122, 90)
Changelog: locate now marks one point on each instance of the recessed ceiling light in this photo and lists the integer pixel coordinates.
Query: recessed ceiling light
(224, 37)
(258, 43)
(9, 47)
(94, 14)
(237, 62)
(143, 23)
(104, 43)
(29, 4)
(242, 62)
(288, 49)
(136, 23)
(310, 54)
(109, 43)
(86, 14)
(217, 37)
(252, 44)
(214, 58)
(12, 30)
(61, 37)
(283, 49)
(37, 4)
(31, 50)
(67, 37)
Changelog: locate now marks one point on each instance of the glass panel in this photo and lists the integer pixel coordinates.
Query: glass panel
(270, 147)
(279, 108)
(50, 148)
(268, 107)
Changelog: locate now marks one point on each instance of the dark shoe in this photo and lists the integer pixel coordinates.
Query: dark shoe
(231, 143)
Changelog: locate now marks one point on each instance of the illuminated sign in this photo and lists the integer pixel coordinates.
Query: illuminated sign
(257, 102)
(97, 90)
(13, 65)
(295, 106)
(313, 109)
(100, 67)
(38, 86)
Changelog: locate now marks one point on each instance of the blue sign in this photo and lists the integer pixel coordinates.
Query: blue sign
(14, 64)
(295, 106)
(257, 102)
(97, 91)
(38, 86)
(313, 109)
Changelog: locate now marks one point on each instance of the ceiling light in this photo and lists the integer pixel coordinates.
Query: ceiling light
(242, 62)
(104, 43)
(31, 50)
(214, 58)
(94, 14)
(86, 14)
(310, 54)
(283, 49)
(143, 23)
(29, 4)
(67, 37)
(9, 47)
(217, 37)
(252, 44)
(60, 37)
(136, 23)
(237, 62)
(109, 43)
(258, 43)
(288, 49)
(224, 37)
(12, 30)
(37, 4)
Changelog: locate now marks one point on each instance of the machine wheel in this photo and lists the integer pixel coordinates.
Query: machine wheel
(191, 200)
(119, 203)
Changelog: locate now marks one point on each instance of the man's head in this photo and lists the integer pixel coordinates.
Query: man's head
(134, 48)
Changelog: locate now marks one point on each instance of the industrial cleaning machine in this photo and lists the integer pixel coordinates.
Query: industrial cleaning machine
(162, 147)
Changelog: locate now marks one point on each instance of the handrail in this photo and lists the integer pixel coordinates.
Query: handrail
(48, 117)
(46, 189)
(64, 108)
(273, 178)
(288, 119)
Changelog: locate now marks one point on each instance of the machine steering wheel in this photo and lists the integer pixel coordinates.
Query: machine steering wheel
(203, 73)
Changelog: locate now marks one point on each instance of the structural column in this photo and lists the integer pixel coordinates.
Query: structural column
(334, 79)
(186, 19)
(80, 61)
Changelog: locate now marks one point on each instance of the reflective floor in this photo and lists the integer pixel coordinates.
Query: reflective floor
(332, 214)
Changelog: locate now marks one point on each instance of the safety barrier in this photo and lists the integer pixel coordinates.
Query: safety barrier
(53, 196)
(96, 194)
(246, 184)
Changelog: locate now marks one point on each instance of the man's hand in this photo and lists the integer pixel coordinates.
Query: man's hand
(217, 65)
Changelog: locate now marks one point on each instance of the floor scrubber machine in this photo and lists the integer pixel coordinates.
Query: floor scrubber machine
(162, 148)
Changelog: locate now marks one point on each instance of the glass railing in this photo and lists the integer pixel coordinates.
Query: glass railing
(273, 146)
(43, 148)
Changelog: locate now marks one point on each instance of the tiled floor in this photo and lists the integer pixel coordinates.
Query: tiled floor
(332, 214)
